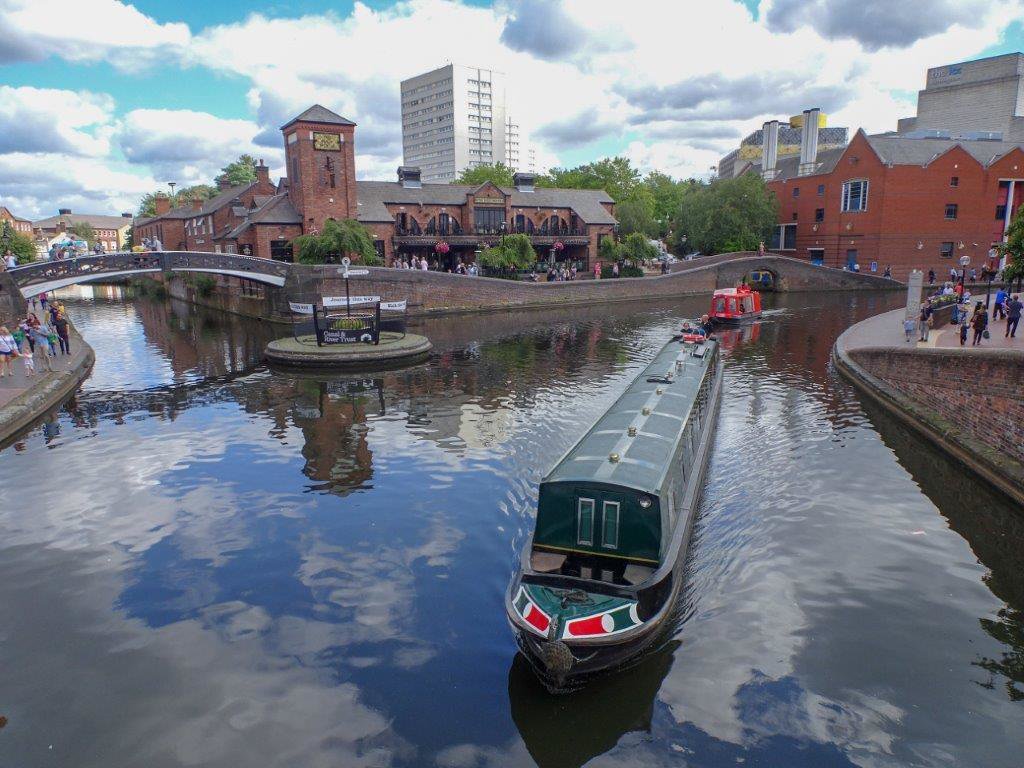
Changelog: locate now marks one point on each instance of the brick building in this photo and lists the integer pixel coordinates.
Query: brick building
(406, 217)
(18, 224)
(895, 200)
(111, 231)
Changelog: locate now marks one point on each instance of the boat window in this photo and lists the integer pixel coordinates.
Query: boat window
(748, 303)
(719, 305)
(732, 306)
(610, 530)
(585, 522)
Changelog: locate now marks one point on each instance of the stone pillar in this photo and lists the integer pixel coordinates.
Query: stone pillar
(12, 303)
(769, 149)
(809, 142)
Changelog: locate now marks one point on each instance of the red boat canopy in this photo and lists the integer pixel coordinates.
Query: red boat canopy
(735, 303)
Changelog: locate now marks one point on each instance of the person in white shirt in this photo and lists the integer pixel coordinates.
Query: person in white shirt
(8, 351)
(423, 264)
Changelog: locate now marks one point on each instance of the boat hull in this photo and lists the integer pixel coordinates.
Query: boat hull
(737, 320)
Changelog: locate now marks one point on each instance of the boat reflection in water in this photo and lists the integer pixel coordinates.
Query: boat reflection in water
(731, 337)
(569, 730)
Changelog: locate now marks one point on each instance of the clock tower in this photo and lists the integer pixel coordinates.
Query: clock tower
(319, 150)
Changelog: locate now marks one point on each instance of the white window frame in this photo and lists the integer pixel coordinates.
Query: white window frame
(618, 518)
(579, 520)
(782, 236)
(845, 204)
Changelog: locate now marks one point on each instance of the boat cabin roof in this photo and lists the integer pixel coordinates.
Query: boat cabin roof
(659, 411)
(733, 291)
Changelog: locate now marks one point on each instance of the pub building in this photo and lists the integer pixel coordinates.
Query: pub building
(406, 217)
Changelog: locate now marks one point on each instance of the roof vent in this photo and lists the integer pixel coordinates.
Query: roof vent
(645, 411)
(631, 431)
(613, 458)
(524, 182)
(127, 215)
(64, 211)
(409, 176)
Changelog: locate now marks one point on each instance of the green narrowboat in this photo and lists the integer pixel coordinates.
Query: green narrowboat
(600, 573)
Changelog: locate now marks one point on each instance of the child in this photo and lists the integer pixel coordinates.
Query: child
(27, 358)
(908, 327)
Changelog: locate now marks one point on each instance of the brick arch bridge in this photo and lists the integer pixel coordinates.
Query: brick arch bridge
(35, 278)
(789, 274)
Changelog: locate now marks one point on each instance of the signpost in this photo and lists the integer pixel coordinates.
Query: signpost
(914, 285)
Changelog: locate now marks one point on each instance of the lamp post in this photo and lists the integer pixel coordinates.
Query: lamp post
(964, 261)
(172, 185)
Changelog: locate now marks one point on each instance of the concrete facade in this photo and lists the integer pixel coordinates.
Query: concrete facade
(985, 95)
(453, 118)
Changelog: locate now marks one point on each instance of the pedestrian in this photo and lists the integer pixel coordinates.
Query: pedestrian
(924, 320)
(909, 324)
(999, 311)
(9, 261)
(42, 301)
(25, 326)
(61, 326)
(931, 277)
(974, 275)
(979, 322)
(8, 351)
(27, 358)
(952, 274)
(760, 248)
(1013, 308)
(962, 320)
(887, 272)
(43, 347)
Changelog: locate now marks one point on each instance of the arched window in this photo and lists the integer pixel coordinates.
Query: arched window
(448, 225)
(431, 228)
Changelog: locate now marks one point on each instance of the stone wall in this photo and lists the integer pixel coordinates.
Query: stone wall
(12, 305)
(977, 397)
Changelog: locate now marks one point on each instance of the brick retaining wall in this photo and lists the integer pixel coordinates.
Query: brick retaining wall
(982, 394)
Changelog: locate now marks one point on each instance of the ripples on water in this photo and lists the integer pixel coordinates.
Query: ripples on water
(207, 563)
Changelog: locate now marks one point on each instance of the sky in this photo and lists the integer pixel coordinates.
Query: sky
(102, 101)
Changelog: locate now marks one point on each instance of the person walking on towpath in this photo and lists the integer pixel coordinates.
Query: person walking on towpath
(931, 277)
(8, 351)
(60, 325)
(924, 320)
(999, 311)
(979, 322)
(1013, 308)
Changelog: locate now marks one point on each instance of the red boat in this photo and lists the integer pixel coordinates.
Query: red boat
(735, 305)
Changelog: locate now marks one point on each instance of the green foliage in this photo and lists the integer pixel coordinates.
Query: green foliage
(499, 174)
(184, 197)
(204, 284)
(338, 238)
(347, 324)
(608, 250)
(84, 231)
(241, 171)
(20, 245)
(726, 215)
(608, 271)
(615, 175)
(515, 252)
(636, 213)
(1013, 248)
(636, 248)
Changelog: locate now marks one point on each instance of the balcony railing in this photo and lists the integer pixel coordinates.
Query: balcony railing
(489, 232)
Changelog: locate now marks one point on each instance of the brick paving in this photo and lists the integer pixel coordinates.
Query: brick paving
(12, 386)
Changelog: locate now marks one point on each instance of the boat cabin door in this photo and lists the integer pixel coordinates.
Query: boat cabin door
(598, 522)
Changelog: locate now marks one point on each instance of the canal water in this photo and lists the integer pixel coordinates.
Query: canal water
(207, 563)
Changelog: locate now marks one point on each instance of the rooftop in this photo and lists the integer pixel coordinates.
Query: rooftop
(319, 114)
(95, 220)
(643, 463)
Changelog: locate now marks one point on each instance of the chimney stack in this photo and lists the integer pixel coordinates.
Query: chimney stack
(809, 142)
(525, 182)
(262, 175)
(64, 211)
(223, 183)
(163, 204)
(769, 149)
(409, 176)
(197, 203)
(127, 215)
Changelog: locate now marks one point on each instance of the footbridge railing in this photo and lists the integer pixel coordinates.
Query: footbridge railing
(40, 276)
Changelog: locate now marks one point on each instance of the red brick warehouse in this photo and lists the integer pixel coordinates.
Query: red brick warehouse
(895, 200)
(406, 217)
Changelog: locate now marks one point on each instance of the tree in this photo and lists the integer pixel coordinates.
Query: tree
(615, 175)
(514, 252)
(241, 171)
(637, 248)
(184, 197)
(20, 245)
(636, 213)
(668, 195)
(337, 238)
(1013, 249)
(726, 215)
(84, 231)
(499, 174)
(608, 250)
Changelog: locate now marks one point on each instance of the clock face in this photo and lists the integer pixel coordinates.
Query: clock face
(327, 141)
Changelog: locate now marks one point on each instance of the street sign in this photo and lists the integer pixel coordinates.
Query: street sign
(301, 309)
(914, 284)
(393, 306)
(360, 272)
(333, 302)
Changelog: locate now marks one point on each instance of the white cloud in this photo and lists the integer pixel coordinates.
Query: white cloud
(187, 146)
(53, 120)
(86, 31)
